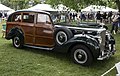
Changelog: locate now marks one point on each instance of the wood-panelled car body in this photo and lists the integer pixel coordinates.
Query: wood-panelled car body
(36, 29)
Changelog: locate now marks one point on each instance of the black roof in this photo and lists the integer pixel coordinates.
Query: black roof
(36, 11)
(26, 10)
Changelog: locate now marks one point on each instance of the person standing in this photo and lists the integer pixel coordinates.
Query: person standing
(70, 16)
(83, 17)
(98, 17)
(74, 14)
(88, 16)
(5, 15)
(0, 17)
(110, 16)
(104, 16)
(80, 16)
(116, 23)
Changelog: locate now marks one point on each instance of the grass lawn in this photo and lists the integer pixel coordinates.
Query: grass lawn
(35, 62)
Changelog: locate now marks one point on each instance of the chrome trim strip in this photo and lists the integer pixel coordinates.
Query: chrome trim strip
(43, 48)
(79, 28)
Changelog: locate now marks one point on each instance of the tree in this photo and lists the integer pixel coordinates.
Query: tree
(79, 4)
(74, 4)
(118, 4)
(18, 4)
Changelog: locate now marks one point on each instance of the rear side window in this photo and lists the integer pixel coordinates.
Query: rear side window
(16, 17)
(28, 17)
(9, 18)
(43, 18)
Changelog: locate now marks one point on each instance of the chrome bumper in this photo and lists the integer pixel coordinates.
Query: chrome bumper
(107, 53)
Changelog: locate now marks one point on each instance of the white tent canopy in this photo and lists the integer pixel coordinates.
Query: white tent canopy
(47, 7)
(43, 7)
(9, 12)
(107, 9)
(95, 8)
(62, 7)
(90, 8)
(4, 8)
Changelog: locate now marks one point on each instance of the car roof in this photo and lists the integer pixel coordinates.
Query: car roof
(26, 10)
(36, 11)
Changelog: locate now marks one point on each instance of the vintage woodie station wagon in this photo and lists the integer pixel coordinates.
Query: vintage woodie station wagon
(33, 28)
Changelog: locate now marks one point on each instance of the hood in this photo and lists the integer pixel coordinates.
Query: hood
(81, 28)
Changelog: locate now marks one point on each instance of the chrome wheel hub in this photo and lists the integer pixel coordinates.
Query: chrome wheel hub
(80, 56)
(16, 41)
(61, 37)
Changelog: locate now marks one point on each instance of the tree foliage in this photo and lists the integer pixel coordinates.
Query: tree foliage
(79, 4)
(19, 4)
(74, 4)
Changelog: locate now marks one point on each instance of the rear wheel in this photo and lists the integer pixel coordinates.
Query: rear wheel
(81, 54)
(17, 41)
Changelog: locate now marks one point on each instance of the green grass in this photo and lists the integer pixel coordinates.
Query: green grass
(35, 62)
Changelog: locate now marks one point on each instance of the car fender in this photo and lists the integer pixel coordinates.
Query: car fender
(86, 40)
(13, 32)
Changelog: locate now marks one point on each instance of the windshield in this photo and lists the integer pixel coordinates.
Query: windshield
(66, 20)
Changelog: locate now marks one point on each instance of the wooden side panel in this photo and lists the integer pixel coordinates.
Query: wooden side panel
(44, 35)
(28, 32)
(43, 41)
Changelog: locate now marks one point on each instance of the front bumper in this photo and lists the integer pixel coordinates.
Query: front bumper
(109, 50)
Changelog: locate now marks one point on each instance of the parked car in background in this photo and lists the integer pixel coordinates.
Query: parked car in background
(36, 29)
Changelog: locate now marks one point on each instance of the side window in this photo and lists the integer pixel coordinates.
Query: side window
(9, 18)
(28, 17)
(16, 18)
(43, 18)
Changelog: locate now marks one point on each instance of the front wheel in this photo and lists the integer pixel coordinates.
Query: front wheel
(17, 41)
(81, 54)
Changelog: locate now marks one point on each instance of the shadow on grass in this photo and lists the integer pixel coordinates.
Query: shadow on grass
(97, 68)
(50, 53)
(65, 57)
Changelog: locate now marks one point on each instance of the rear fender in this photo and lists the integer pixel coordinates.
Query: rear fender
(13, 32)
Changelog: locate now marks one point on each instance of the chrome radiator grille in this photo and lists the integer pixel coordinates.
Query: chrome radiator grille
(103, 36)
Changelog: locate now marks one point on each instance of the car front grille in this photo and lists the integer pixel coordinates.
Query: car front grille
(103, 37)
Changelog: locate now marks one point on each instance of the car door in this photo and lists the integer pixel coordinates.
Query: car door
(44, 31)
(14, 21)
(28, 19)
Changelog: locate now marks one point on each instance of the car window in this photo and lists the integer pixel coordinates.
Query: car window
(17, 17)
(43, 18)
(28, 17)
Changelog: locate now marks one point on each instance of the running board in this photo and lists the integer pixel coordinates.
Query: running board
(43, 48)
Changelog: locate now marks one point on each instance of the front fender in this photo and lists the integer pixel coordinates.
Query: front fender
(88, 41)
